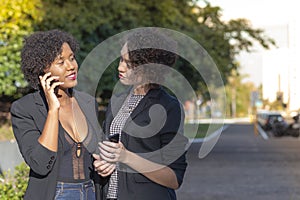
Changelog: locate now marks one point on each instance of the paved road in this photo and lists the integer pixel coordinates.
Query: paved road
(243, 166)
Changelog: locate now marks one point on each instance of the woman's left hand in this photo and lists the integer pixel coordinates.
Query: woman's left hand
(112, 152)
(103, 167)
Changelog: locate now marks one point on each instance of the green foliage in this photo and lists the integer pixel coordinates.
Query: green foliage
(238, 95)
(202, 130)
(16, 21)
(224, 40)
(13, 187)
(91, 22)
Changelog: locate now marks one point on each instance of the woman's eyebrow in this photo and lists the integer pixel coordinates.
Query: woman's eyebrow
(61, 57)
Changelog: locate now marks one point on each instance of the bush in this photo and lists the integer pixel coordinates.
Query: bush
(13, 186)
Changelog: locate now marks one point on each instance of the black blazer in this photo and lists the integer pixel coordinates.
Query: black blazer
(28, 118)
(165, 145)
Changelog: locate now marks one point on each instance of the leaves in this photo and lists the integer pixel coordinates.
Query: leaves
(13, 186)
(93, 22)
(17, 19)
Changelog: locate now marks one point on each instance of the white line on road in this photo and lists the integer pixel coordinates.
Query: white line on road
(262, 132)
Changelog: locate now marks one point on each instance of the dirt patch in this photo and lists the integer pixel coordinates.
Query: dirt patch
(5, 104)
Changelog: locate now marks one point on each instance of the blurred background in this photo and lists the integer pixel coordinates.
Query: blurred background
(228, 39)
(254, 44)
(274, 71)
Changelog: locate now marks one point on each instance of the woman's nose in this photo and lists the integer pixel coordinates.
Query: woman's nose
(71, 65)
(122, 66)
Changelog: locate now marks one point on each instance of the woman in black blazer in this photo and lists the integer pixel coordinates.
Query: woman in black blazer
(147, 121)
(56, 127)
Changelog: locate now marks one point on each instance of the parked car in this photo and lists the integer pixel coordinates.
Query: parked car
(281, 127)
(266, 119)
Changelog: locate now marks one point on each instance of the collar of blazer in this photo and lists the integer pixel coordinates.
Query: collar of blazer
(83, 101)
(40, 99)
(86, 104)
(117, 101)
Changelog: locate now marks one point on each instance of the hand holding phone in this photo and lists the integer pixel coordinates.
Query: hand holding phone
(49, 83)
(114, 137)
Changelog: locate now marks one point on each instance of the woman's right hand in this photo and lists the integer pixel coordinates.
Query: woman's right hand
(49, 83)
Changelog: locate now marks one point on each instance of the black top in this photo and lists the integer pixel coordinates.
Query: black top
(76, 163)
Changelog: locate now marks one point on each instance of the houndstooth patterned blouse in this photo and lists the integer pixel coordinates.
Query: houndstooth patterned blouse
(116, 126)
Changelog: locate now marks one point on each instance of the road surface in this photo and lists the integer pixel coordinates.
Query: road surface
(244, 166)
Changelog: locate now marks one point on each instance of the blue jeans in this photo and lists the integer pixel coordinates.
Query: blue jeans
(75, 191)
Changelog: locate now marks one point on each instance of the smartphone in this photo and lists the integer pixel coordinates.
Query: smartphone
(114, 138)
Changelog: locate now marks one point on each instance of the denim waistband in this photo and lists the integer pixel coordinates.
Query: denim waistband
(82, 185)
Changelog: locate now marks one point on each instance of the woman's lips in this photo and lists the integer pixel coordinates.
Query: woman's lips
(121, 76)
(72, 76)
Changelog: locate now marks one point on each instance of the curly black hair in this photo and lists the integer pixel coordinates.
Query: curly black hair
(40, 50)
(148, 46)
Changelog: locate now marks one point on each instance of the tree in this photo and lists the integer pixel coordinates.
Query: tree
(238, 95)
(17, 19)
(95, 21)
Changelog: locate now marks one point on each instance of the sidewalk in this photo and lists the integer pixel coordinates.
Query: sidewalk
(215, 120)
(10, 155)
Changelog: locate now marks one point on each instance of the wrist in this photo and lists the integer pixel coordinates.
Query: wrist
(53, 112)
(127, 155)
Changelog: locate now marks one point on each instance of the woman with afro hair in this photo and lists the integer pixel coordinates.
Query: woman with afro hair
(56, 127)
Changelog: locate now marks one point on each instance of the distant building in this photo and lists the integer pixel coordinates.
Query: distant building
(279, 68)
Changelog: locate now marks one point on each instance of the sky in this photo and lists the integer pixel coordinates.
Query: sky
(271, 15)
(259, 12)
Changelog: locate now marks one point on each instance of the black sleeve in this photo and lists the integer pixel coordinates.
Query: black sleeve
(173, 141)
(39, 158)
